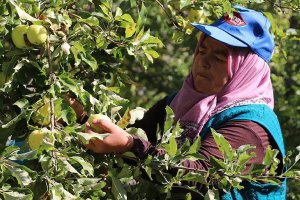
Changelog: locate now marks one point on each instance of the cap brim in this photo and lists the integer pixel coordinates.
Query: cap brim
(219, 35)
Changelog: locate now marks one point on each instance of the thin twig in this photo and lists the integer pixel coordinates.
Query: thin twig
(52, 116)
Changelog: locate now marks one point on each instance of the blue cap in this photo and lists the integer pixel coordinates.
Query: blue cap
(247, 28)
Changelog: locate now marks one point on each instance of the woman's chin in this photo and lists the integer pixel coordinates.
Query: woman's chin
(202, 90)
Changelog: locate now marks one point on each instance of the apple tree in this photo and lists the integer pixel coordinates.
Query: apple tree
(96, 52)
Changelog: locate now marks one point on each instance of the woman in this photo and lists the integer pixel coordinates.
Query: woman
(228, 89)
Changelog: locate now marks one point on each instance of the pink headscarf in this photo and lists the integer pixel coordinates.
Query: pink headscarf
(249, 82)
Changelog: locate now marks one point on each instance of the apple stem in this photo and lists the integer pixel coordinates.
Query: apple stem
(52, 77)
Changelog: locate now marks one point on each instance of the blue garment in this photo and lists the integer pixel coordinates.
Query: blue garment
(264, 116)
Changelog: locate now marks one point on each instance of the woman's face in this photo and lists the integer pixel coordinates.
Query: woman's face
(210, 66)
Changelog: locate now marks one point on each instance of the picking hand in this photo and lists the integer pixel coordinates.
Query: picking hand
(118, 141)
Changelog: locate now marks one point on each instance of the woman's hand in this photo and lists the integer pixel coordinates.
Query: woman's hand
(118, 141)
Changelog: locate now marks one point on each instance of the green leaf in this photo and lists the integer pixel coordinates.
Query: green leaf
(85, 165)
(195, 146)
(236, 183)
(171, 147)
(243, 159)
(22, 14)
(92, 21)
(64, 164)
(22, 103)
(223, 146)
(118, 190)
(30, 155)
(185, 147)
(227, 7)
(20, 172)
(137, 132)
(136, 114)
(86, 137)
(141, 37)
(76, 48)
(152, 53)
(197, 177)
(127, 18)
(130, 30)
(142, 17)
(18, 194)
(149, 171)
(270, 155)
(90, 181)
(148, 160)
(90, 60)
(58, 192)
(9, 151)
(153, 40)
(64, 111)
(125, 172)
(185, 3)
(210, 195)
(224, 183)
(217, 163)
(188, 196)
(149, 57)
(55, 193)
(195, 157)
(169, 119)
(69, 83)
(13, 121)
(244, 148)
(118, 13)
(258, 169)
(105, 10)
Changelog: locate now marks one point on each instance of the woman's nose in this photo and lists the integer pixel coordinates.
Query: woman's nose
(204, 61)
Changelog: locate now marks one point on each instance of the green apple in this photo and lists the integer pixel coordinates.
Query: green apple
(18, 36)
(37, 34)
(35, 139)
(97, 116)
(42, 116)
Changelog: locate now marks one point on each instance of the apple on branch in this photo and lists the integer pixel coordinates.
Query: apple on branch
(37, 137)
(97, 116)
(42, 116)
(18, 36)
(37, 34)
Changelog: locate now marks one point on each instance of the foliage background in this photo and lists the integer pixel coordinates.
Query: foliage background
(167, 73)
(131, 74)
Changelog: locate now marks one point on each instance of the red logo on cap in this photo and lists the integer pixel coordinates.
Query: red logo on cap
(236, 19)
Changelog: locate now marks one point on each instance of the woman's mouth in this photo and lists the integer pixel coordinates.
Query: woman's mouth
(201, 76)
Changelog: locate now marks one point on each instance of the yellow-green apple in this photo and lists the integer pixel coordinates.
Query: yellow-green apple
(42, 116)
(37, 34)
(35, 139)
(18, 36)
(97, 116)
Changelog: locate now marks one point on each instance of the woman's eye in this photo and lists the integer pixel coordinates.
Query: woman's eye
(220, 58)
